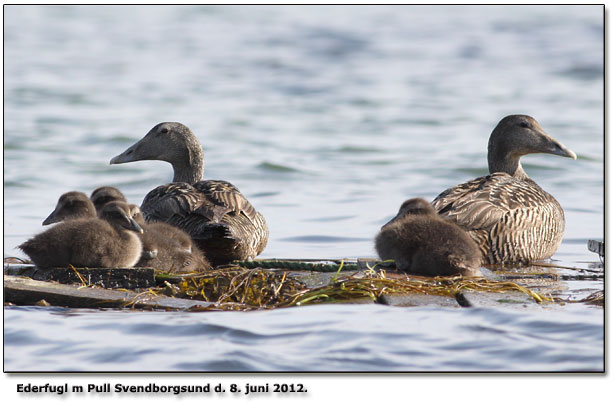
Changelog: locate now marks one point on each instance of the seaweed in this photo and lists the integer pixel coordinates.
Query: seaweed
(239, 288)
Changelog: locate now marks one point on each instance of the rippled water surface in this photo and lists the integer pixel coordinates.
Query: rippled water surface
(317, 338)
(326, 118)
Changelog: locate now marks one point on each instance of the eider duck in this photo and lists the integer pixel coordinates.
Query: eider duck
(103, 195)
(71, 205)
(110, 241)
(214, 213)
(167, 248)
(422, 243)
(506, 213)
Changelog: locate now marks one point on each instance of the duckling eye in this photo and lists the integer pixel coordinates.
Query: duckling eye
(524, 125)
(164, 130)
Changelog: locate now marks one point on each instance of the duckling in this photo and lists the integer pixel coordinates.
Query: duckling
(178, 237)
(110, 241)
(509, 216)
(103, 195)
(222, 222)
(167, 248)
(422, 243)
(71, 205)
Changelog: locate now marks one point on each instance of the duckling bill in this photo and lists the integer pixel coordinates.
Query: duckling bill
(422, 243)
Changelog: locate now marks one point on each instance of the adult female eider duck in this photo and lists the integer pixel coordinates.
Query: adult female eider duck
(508, 215)
(110, 241)
(214, 213)
(422, 243)
(71, 205)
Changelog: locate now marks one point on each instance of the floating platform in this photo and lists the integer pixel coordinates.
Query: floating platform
(276, 283)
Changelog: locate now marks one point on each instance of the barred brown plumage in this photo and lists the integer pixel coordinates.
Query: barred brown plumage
(222, 222)
(511, 218)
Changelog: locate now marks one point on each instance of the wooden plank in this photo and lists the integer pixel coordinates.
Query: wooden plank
(25, 291)
(511, 299)
(415, 299)
(122, 278)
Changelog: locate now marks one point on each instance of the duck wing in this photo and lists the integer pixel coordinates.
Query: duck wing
(509, 218)
(479, 203)
(174, 202)
(214, 213)
(226, 198)
(486, 201)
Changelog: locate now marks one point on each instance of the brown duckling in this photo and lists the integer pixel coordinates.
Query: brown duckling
(422, 243)
(103, 195)
(179, 238)
(506, 213)
(221, 221)
(110, 241)
(168, 248)
(71, 205)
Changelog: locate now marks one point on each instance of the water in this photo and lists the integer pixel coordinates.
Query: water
(318, 338)
(326, 118)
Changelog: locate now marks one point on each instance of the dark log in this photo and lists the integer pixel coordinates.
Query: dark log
(114, 278)
(24, 291)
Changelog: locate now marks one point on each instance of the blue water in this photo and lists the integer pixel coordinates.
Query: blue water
(316, 338)
(326, 118)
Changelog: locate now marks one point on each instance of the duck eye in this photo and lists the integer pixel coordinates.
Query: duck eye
(524, 125)
(164, 130)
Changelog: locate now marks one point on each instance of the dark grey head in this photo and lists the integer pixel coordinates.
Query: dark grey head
(414, 206)
(515, 136)
(172, 142)
(103, 195)
(71, 205)
(119, 214)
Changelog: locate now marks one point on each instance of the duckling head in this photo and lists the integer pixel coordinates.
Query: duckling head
(71, 205)
(103, 195)
(119, 214)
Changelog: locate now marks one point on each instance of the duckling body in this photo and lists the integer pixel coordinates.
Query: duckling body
(422, 243)
(214, 213)
(71, 205)
(110, 241)
(168, 248)
(509, 216)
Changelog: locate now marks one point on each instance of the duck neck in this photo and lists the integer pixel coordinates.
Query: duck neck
(189, 168)
(500, 162)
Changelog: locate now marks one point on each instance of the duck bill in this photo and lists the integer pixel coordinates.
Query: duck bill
(132, 153)
(134, 226)
(125, 157)
(50, 219)
(553, 146)
(560, 150)
(398, 216)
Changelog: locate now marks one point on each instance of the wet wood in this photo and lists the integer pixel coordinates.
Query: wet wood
(25, 291)
(410, 300)
(511, 299)
(115, 278)
(546, 280)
